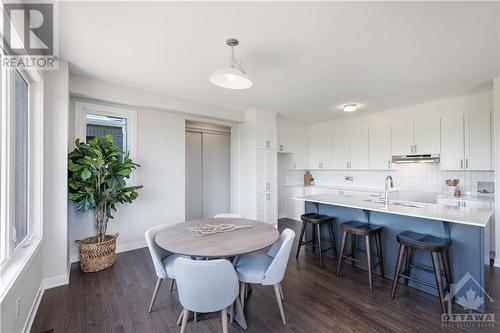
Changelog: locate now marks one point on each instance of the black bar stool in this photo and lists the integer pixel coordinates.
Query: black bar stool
(365, 230)
(316, 221)
(410, 241)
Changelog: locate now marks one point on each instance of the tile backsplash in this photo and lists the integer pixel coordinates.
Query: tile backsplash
(425, 177)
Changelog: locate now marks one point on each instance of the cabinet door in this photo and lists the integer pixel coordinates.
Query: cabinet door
(402, 138)
(358, 149)
(427, 136)
(266, 208)
(261, 207)
(299, 149)
(266, 137)
(476, 204)
(379, 141)
(452, 142)
(315, 142)
(478, 141)
(340, 143)
(266, 170)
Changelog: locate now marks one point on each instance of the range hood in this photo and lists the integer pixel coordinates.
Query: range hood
(421, 158)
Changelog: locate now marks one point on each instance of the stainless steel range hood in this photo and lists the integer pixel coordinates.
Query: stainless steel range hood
(421, 158)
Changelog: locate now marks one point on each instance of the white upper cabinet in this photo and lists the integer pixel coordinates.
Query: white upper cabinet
(478, 141)
(292, 139)
(452, 142)
(266, 137)
(358, 149)
(380, 148)
(427, 136)
(466, 141)
(421, 136)
(320, 149)
(403, 138)
(340, 142)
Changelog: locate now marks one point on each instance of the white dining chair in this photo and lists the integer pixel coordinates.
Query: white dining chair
(267, 269)
(206, 286)
(162, 259)
(227, 216)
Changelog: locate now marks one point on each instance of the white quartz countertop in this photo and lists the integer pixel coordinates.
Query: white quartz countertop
(475, 197)
(340, 187)
(463, 215)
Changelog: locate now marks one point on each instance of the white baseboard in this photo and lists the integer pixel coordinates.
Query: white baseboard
(119, 248)
(56, 281)
(34, 308)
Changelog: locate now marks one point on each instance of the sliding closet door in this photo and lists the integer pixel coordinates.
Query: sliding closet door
(194, 176)
(216, 174)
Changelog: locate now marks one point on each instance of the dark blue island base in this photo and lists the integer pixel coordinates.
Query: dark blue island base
(467, 251)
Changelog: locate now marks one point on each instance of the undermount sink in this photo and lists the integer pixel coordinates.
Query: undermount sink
(398, 203)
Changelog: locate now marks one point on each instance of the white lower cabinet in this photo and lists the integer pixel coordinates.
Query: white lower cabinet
(267, 208)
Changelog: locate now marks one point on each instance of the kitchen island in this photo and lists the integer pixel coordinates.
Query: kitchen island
(464, 226)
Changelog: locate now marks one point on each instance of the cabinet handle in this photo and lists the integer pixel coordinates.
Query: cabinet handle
(463, 203)
(268, 144)
(294, 165)
(415, 151)
(388, 164)
(461, 163)
(281, 147)
(268, 196)
(268, 186)
(466, 163)
(411, 149)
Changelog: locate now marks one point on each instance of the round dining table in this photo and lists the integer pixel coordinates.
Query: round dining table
(250, 236)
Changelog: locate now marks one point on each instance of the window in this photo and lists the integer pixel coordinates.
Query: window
(20, 230)
(103, 125)
(92, 119)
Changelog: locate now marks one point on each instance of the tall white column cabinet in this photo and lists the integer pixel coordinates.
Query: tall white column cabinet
(257, 167)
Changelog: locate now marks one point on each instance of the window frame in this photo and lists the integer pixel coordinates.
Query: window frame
(84, 108)
(14, 258)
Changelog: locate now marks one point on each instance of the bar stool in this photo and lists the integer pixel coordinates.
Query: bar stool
(316, 221)
(410, 241)
(365, 230)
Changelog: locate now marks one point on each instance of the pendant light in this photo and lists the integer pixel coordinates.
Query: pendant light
(233, 77)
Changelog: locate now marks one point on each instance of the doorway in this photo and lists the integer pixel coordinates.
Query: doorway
(208, 170)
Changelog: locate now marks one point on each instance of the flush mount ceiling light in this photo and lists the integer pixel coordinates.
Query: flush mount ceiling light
(233, 77)
(350, 107)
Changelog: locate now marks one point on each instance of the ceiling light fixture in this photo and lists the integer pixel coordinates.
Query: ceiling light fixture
(350, 107)
(233, 77)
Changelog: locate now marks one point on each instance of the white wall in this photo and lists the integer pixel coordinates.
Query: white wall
(496, 163)
(161, 154)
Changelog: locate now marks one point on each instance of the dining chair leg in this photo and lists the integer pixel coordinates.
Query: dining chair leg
(195, 316)
(224, 320)
(155, 292)
(281, 292)
(278, 298)
(301, 239)
(179, 320)
(172, 283)
(242, 294)
(239, 310)
(342, 247)
(369, 261)
(247, 289)
(185, 315)
(231, 312)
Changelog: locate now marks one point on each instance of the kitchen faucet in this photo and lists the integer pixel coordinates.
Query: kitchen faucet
(391, 184)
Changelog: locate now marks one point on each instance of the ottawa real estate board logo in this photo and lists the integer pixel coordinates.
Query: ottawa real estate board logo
(473, 298)
(29, 35)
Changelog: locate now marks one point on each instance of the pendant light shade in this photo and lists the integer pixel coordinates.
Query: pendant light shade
(233, 77)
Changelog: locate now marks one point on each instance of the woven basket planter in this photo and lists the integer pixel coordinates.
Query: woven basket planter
(95, 257)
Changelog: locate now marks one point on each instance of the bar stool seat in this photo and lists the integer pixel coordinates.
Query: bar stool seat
(317, 220)
(422, 241)
(366, 231)
(410, 241)
(360, 228)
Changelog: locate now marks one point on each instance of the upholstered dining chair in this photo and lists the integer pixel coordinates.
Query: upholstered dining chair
(267, 269)
(206, 286)
(162, 260)
(227, 216)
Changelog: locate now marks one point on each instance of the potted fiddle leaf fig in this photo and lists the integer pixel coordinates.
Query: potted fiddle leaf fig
(97, 180)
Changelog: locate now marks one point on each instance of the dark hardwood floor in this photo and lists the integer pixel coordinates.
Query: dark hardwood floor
(117, 299)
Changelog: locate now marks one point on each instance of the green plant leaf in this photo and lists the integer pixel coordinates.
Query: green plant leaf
(86, 174)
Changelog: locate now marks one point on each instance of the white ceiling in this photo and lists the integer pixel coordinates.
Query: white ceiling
(306, 59)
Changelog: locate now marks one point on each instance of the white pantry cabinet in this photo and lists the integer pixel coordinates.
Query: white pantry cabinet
(266, 170)
(466, 141)
(267, 210)
(379, 148)
(420, 136)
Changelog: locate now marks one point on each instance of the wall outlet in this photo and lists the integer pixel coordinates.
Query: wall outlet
(18, 307)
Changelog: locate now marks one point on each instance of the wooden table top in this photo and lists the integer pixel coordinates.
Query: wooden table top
(179, 239)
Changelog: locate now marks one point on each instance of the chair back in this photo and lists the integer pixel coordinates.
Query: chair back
(227, 216)
(280, 251)
(206, 285)
(157, 253)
